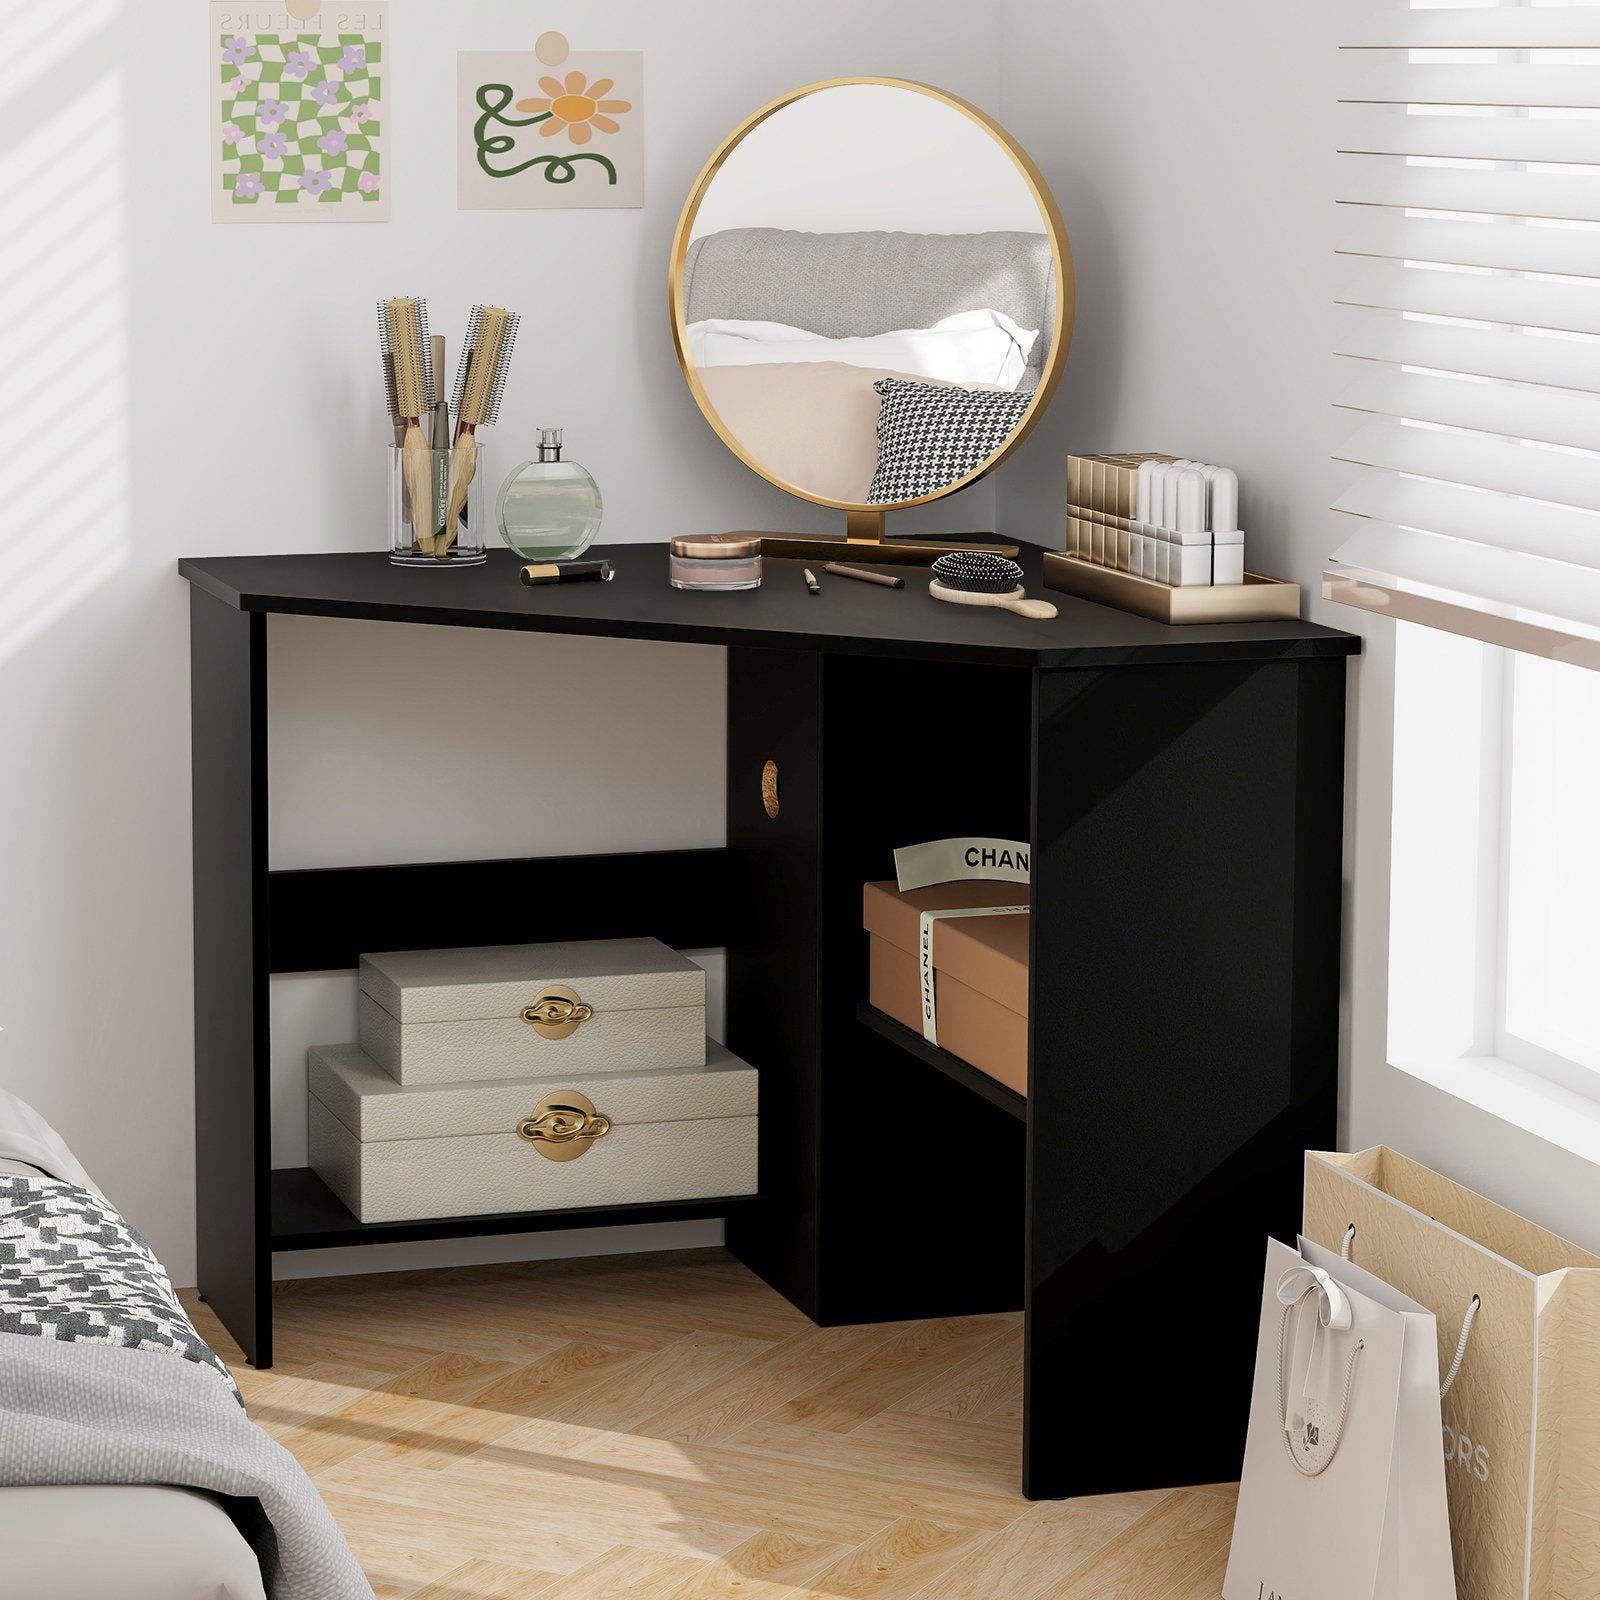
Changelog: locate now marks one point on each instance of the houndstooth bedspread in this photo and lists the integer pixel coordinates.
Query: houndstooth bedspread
(71, 1268)
(91, 1393)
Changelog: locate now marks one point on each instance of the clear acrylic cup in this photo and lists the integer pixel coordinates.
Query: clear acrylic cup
(431, 544)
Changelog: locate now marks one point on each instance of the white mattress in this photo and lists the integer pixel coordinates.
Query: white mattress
(113, 1542)
(90, 1542)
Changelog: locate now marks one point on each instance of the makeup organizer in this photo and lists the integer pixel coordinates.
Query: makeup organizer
(1159, 535)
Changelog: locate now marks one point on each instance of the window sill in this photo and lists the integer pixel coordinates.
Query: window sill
(1512, 1094)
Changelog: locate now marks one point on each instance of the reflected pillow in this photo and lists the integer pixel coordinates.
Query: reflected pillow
(930, 435)
(970, 347)
(813, 425)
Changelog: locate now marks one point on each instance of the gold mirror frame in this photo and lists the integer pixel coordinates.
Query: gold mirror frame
(864, 536)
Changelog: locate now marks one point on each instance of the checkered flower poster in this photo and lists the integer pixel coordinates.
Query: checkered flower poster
(299, 121)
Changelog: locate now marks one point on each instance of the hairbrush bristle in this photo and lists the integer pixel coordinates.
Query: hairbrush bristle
(502, 367)
(405, 325)
(468, 345)
(485, 360)
(389, 401)
(977, 572)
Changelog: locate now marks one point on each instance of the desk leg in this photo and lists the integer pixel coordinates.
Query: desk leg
(773, 1011)
(233, 1154)
(888, 1193)
(1185, 976)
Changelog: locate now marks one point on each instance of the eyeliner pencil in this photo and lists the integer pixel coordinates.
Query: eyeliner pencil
(840, 570)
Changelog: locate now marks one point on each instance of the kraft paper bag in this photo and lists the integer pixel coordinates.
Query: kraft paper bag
(1520, 1426)
(1342, 1496)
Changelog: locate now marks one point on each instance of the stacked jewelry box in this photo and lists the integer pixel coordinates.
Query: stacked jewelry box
(530, 1078)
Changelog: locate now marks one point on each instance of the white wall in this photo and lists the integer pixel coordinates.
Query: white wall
(866, 156)
(1192, 159)
(188, 389)
(180, 388)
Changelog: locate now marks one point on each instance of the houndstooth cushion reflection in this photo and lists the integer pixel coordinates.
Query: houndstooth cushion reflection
(930, 435)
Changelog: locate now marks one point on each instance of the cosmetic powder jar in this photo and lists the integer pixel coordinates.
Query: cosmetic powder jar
(715, 561)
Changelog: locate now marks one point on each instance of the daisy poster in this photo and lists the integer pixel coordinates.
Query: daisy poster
(550, 127)
(298, 120)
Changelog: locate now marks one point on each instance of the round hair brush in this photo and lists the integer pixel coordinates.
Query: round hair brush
(974, 578)
(480, 381)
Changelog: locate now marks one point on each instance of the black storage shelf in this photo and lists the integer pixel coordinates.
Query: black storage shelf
(992, 1090)
(308, 1215)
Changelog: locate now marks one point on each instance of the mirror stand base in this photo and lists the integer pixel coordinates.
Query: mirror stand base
(871, 552)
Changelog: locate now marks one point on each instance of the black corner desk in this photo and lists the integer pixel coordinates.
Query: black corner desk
(1182, 789)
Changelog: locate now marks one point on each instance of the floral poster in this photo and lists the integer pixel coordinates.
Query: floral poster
(298, 116)
(550, 127)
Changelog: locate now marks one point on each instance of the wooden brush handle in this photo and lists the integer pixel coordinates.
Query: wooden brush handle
(417, 465)
(1039, 610)
(463, 468)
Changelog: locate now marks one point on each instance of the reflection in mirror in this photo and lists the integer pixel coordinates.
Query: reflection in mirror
(869, 295)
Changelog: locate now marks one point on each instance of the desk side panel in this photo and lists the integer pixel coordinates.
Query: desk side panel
(1185, 982)
(233, 1155)
(775, 714)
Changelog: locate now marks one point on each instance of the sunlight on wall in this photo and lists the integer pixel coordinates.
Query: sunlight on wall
(36, 39)
(64, 337)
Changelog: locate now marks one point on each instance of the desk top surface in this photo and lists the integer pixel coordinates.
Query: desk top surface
(847, 618)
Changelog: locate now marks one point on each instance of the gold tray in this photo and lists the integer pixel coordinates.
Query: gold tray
(1257, 599)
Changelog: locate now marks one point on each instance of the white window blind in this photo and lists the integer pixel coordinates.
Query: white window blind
(1467, 329)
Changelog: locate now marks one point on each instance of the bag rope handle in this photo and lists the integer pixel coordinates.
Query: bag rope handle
(1473, 1307)
(1283, 1391)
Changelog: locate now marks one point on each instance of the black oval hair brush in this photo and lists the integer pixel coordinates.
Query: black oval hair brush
(975, 578)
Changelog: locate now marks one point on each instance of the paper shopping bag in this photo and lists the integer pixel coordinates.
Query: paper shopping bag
(1521, 1421)
(1342, 1496)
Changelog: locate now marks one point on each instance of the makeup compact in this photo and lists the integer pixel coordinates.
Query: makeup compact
(715, 561)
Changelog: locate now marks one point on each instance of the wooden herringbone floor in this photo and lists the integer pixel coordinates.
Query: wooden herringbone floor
(665, 1427)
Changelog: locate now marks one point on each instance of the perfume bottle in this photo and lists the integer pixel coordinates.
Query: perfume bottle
(549, 508)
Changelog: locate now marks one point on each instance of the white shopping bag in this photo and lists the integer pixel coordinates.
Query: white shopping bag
(1343, 1494)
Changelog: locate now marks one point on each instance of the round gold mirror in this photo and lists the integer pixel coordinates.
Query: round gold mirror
(872, 299)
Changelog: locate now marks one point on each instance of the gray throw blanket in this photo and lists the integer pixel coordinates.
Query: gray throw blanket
(95, 1413)
(103, 1379)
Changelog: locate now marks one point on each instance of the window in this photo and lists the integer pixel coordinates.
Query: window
(1549, 960)
(1494, 908)
(1468, 321)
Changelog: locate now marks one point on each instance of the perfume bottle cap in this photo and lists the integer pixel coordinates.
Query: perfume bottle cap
(549, 444)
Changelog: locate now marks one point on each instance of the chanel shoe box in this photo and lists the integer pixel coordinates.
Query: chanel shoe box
(980, 970)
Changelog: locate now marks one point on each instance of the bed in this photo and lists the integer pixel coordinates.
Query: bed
(92, 1537)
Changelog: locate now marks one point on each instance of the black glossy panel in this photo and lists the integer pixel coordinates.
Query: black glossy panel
(846, 618)
(1184, 1011)
(308, 1215)
(325, 919)
(233, 1144)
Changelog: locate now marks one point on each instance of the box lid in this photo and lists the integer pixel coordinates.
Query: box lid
(989, 954)
(374, 1107)
(470, 985)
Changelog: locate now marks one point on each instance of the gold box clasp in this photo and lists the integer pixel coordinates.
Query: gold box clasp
(563, 1125)
(557, 1012)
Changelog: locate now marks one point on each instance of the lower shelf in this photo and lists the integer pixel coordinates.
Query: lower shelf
(307, 1215)
(951, 1066)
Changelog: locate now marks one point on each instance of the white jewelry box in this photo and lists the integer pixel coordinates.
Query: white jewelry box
(398, 1153)
(507, 1011)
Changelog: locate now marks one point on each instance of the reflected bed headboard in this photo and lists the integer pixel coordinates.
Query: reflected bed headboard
(848, 285)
